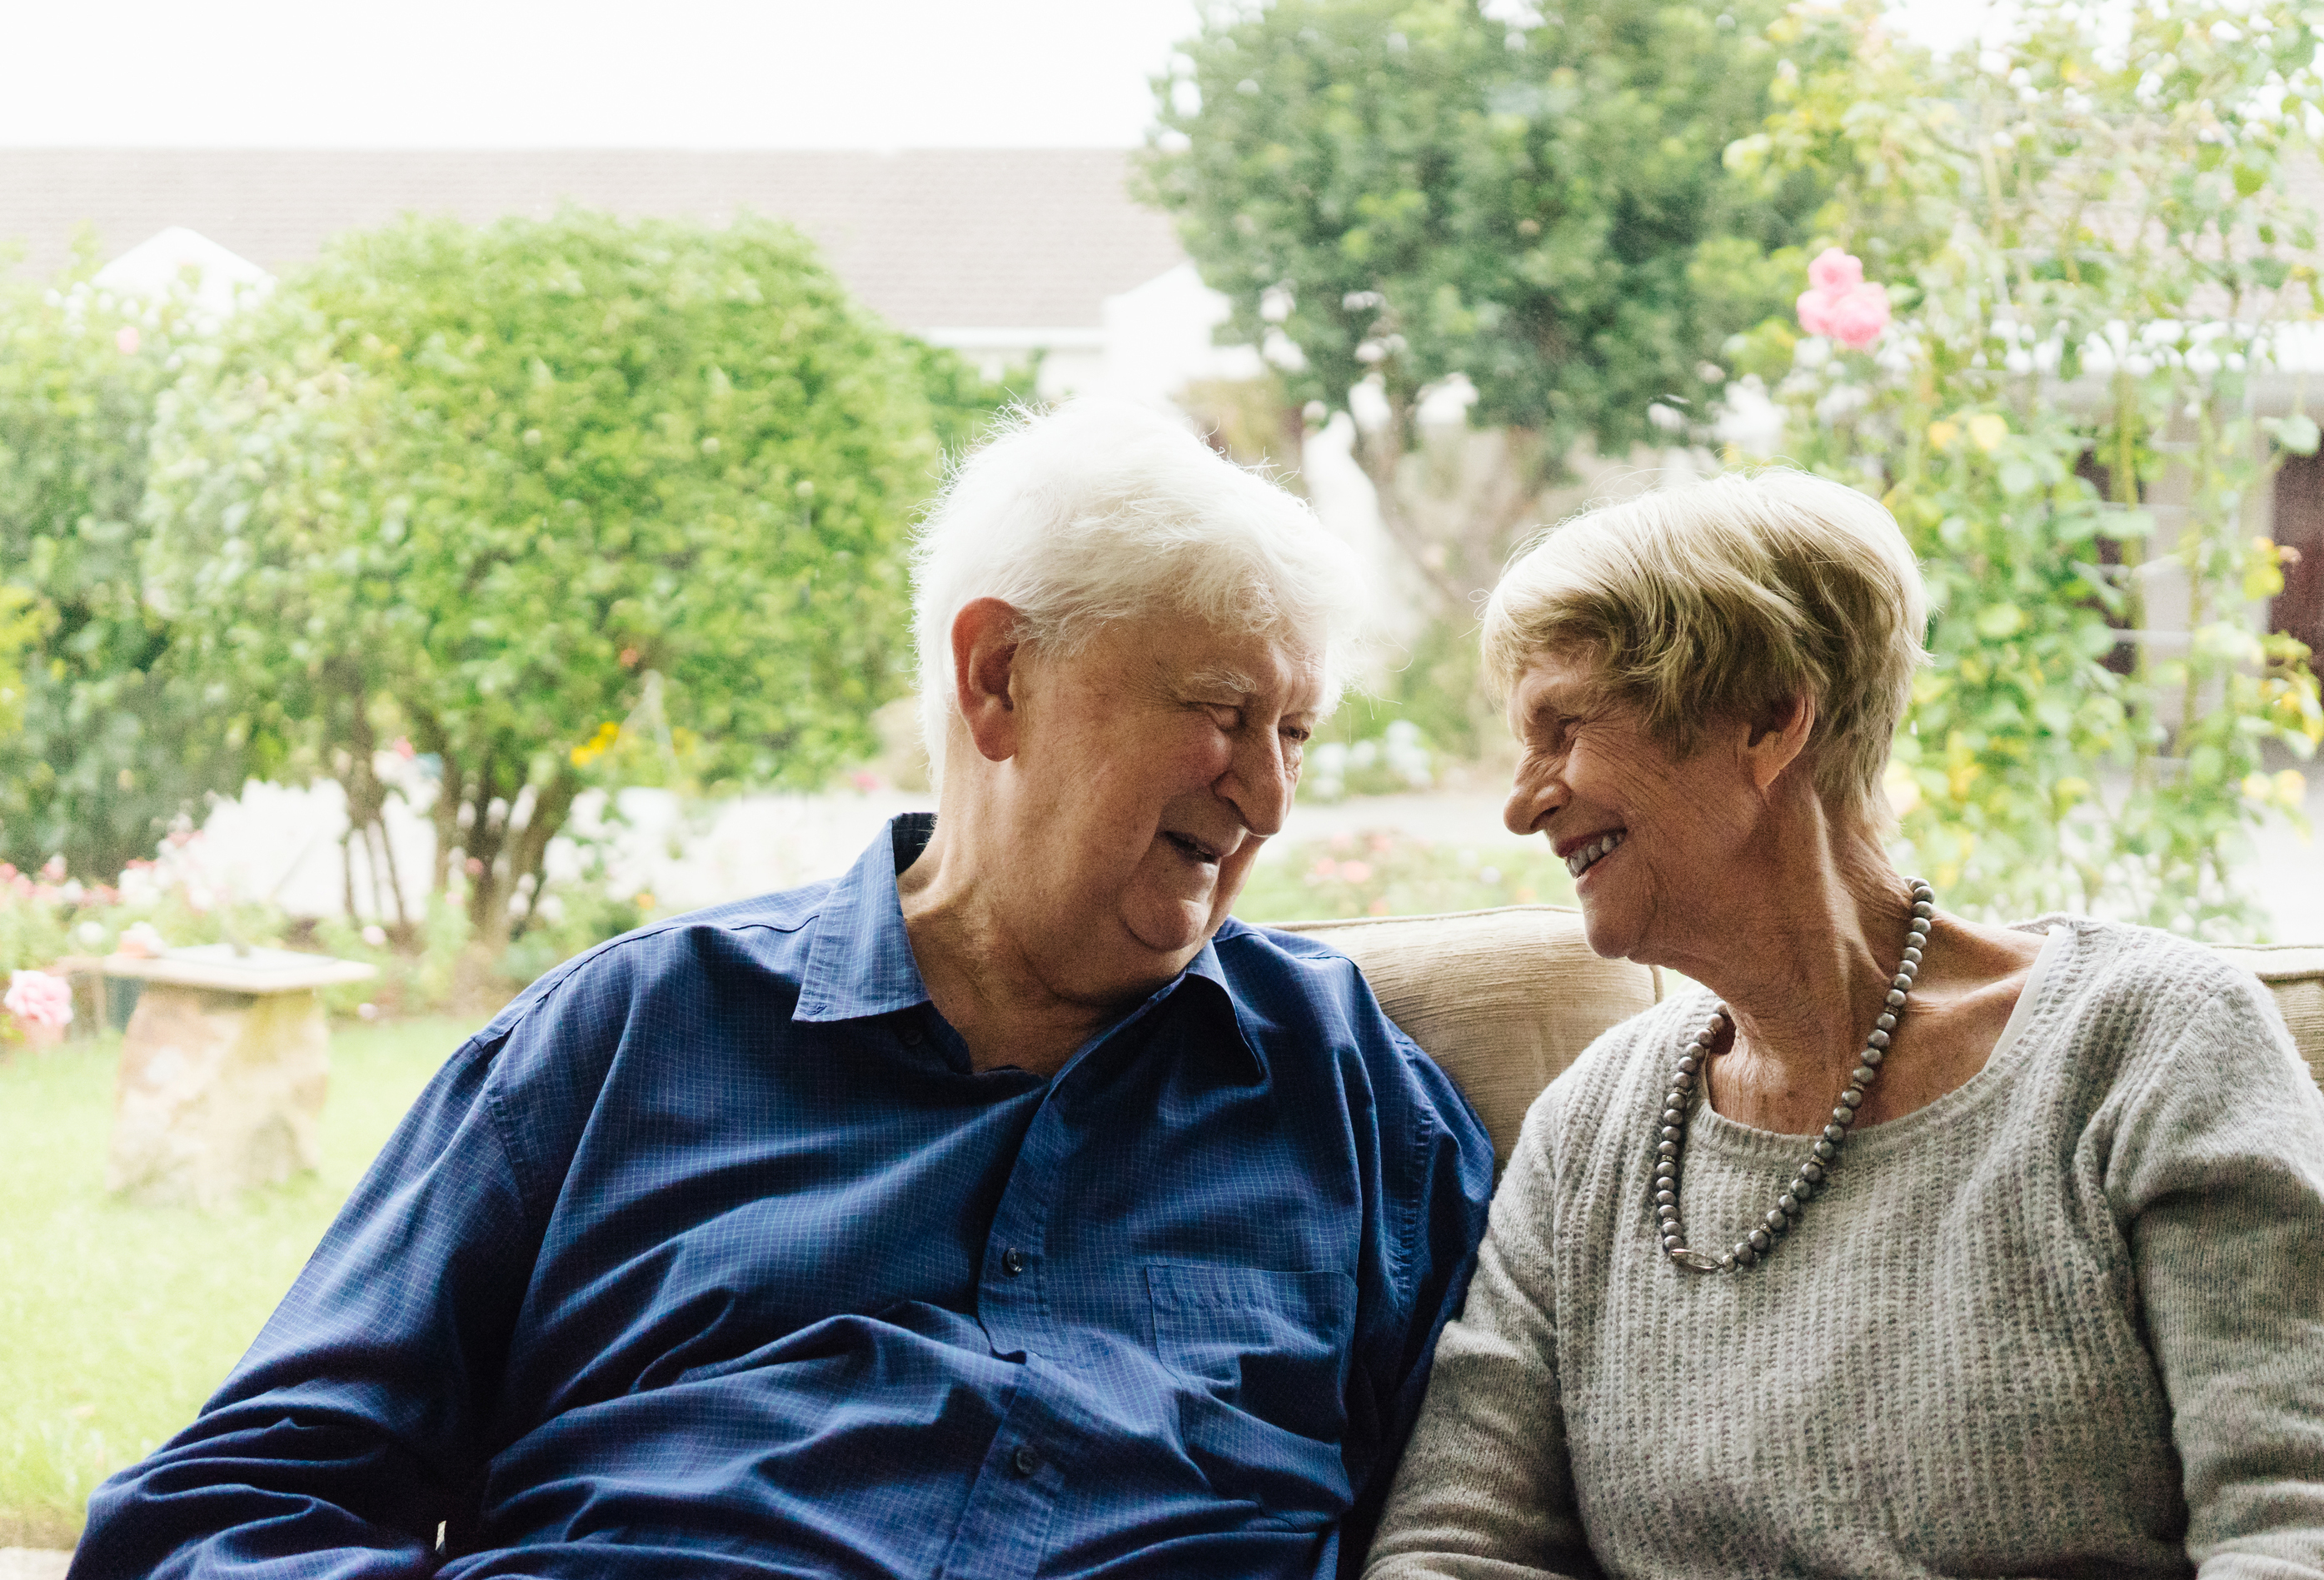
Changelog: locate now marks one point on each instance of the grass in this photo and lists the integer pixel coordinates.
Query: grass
(119, 1320)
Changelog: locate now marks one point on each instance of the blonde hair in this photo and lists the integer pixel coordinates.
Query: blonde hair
(1725, 598)
(1102, 511)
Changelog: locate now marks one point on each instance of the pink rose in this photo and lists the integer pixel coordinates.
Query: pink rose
(37, 999)
(1859, 317)
(125, 340)
(1834, 270)
(1841, 303)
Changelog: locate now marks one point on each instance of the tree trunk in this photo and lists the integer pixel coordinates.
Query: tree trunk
(550, 809)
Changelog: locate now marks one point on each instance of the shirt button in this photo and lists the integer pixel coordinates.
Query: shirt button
(911, 1033)
(1012, 1263)
(1024, 1460)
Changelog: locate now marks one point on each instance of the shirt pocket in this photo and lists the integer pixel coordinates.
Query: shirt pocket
(1268, 1353)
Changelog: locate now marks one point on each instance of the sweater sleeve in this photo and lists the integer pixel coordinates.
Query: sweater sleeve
(2218, 1170)
(1485, 1491)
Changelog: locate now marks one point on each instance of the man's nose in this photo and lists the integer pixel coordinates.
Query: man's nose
(1258, 782)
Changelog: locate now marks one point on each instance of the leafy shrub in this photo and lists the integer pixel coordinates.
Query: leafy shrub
(514, 492)
(115, 744)
(2074, 344)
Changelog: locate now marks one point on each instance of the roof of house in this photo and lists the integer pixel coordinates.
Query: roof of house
(932, 239)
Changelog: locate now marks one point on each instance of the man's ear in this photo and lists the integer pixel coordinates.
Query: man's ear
(1777, 738)
(984, 648)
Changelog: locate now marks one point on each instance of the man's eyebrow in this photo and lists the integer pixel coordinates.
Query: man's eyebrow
(1215, 677)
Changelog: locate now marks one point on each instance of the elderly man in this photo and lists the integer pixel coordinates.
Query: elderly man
(1000, 1208)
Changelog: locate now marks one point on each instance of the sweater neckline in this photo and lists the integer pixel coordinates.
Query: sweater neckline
(2035, 1002)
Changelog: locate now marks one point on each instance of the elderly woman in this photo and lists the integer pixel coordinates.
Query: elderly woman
(1903, 1246)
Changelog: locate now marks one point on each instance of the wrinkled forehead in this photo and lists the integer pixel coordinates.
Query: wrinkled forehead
(1258, 668)
(1570, 678)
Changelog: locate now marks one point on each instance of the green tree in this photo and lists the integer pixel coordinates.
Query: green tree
(502, 490)
(113, 745)
(1394, 192)
(2092, 250)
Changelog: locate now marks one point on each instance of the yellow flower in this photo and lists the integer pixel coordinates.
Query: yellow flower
(1941, 434)
(1987, 429)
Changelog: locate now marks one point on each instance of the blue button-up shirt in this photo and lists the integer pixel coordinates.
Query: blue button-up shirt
(714, 1256)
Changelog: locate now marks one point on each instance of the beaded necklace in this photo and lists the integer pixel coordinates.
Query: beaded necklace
(1671, 1141)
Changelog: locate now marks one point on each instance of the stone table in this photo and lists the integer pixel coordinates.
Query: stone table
(223, 1070)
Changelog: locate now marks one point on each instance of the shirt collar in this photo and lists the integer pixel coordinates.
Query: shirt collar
(860, 963)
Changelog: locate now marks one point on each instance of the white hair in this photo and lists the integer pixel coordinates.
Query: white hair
(1102, 511)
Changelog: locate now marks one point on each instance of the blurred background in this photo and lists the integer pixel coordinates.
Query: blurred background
(457, 466)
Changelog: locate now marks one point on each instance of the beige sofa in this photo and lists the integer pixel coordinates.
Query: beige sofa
(1505, 999)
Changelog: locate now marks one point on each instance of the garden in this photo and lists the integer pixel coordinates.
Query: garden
(483, 529)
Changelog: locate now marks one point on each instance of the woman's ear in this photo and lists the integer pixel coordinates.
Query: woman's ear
(1777, 738)
(984, 651)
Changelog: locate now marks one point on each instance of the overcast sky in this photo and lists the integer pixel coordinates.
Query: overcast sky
(516, 73)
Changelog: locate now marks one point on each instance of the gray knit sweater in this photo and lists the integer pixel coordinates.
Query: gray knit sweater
(2067, 1320)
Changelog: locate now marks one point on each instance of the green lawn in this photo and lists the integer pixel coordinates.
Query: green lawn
(117, 1321)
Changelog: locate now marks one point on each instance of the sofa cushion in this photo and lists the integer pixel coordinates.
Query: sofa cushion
(1506, 999)
(1502, 999)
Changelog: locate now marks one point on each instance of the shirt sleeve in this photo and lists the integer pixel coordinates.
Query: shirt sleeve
(356, 1422)
(1445, 1184)
(2218, 1168)
(1485, 1491)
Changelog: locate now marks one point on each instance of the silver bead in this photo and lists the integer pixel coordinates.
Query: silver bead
(1802, 1187)
(1666, 1150)
(1727, 1262)
(1863, 1075)
(1842, 1115)
(1675, 1114)
(1787, 1203)
(1760, 1239)
(1674, 1242)
(1873, 1056)
(1682, 1081)
(1851, 1098)
(1833, 1134)
(1825, 1152)
(1672, 1132)
(1811, 1172)
(1886, 1022)
(1745, 1254)
(1665, 1198)
(1690, 1064)
(1895, 998)
(1776, 1223)
(1878, 1040)
(1902, 982)
(1922, 908)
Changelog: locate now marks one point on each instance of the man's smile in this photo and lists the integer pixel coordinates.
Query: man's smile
(1191, 848)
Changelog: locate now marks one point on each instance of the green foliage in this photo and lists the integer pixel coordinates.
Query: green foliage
(506, 490)
(113, 746)
(1411, 189)
(1384, 873)
(47, 916)
(2089, 250)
